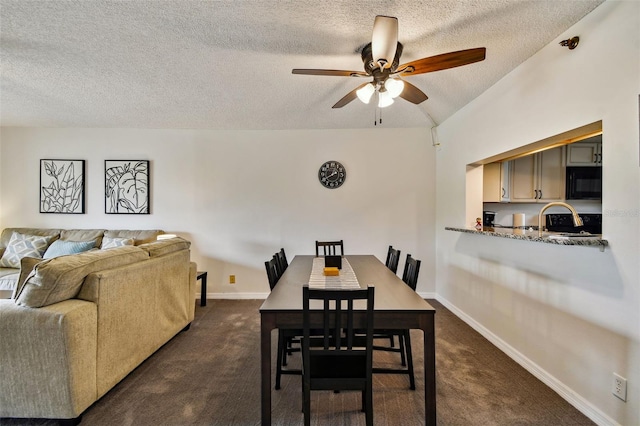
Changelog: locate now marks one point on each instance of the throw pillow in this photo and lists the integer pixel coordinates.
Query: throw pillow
(64, 247)
(21, 245)
(109, 242)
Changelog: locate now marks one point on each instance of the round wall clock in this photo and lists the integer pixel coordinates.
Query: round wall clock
(332, 174)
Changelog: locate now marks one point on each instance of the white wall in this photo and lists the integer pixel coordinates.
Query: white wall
(569, 314)
(240, 196)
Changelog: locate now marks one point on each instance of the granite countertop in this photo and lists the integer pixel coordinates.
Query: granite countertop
(530, 234)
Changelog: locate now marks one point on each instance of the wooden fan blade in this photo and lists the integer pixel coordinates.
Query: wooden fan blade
(443, 61)
(335, 73)
(412, 94)
(348, 97)
(384, 40)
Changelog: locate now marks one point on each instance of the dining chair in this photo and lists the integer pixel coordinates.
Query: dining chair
(286, 337)
(336, 360)
(393, 258)
(330, 248)
(411, 271)
(410, 278)
(273, 273)
(282, 261)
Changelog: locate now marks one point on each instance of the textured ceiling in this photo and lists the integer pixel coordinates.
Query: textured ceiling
(227, 64)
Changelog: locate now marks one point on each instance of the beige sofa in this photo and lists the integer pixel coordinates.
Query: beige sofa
(109, 311)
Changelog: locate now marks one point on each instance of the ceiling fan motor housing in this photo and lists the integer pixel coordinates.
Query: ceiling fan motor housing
(373, 69)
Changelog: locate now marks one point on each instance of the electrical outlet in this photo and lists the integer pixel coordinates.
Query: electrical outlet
(232, 279)
(619, 387)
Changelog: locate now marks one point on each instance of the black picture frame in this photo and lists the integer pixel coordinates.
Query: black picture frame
(62, 186)
(126, 184)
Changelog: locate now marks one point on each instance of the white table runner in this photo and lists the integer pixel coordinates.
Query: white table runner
(346, 279)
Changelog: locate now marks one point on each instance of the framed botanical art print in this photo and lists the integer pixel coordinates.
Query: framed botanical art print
(126, 186)
(62, 186)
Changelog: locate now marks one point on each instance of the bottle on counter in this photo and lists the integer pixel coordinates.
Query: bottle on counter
(478, 224)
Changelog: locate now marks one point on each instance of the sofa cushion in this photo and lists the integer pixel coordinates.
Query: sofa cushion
(7, 233)
(83, 235)
(160, 247)
(60, 278)
(109, 242)
(64, 247)
(8, 278)
(22, 245)
(139, 236)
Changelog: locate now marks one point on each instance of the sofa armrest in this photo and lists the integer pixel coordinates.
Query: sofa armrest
(140, 307)
(47, 359)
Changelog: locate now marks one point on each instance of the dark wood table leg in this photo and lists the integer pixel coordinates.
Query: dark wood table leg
(428, 328)
(267, 323)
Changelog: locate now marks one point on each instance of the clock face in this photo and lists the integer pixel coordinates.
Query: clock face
(332, 174)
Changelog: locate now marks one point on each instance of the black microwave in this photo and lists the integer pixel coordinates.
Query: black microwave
(584, 183)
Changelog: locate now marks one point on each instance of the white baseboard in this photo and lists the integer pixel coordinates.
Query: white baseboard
(581, 404)
(427, 295)
(247, 296)
(236, 296)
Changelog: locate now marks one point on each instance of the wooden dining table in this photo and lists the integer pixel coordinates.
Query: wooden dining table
(396, 306)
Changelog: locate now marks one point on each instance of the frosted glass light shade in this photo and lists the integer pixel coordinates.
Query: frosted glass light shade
(394, 87)
(365, 92)
(384, 99)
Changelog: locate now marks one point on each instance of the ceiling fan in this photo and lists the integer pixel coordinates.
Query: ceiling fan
(381, 60)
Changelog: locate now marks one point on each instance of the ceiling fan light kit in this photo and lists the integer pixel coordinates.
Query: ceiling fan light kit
(366, 92)
(381, 60)
(384, 99)
(394, 86)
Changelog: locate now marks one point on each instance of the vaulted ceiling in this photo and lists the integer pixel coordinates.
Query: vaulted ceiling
(227, 64)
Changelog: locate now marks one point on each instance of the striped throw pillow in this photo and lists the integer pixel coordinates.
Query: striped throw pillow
(64, 247)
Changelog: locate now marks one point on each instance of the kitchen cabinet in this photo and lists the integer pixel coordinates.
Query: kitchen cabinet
(495, 182)
(538, 178)
(584, 154)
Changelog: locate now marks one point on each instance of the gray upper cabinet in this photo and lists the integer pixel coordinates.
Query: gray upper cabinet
(585, 153)
(538, 178)
(496, 182)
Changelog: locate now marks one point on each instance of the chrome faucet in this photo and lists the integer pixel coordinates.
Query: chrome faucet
(577, 220)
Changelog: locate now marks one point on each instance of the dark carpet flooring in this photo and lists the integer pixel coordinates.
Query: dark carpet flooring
(210, 375)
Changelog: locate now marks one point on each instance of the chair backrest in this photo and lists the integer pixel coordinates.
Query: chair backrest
(411, 271)
(338, 332)
(282, 261)
(329, 248)
(393, 257)
(273, 274)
